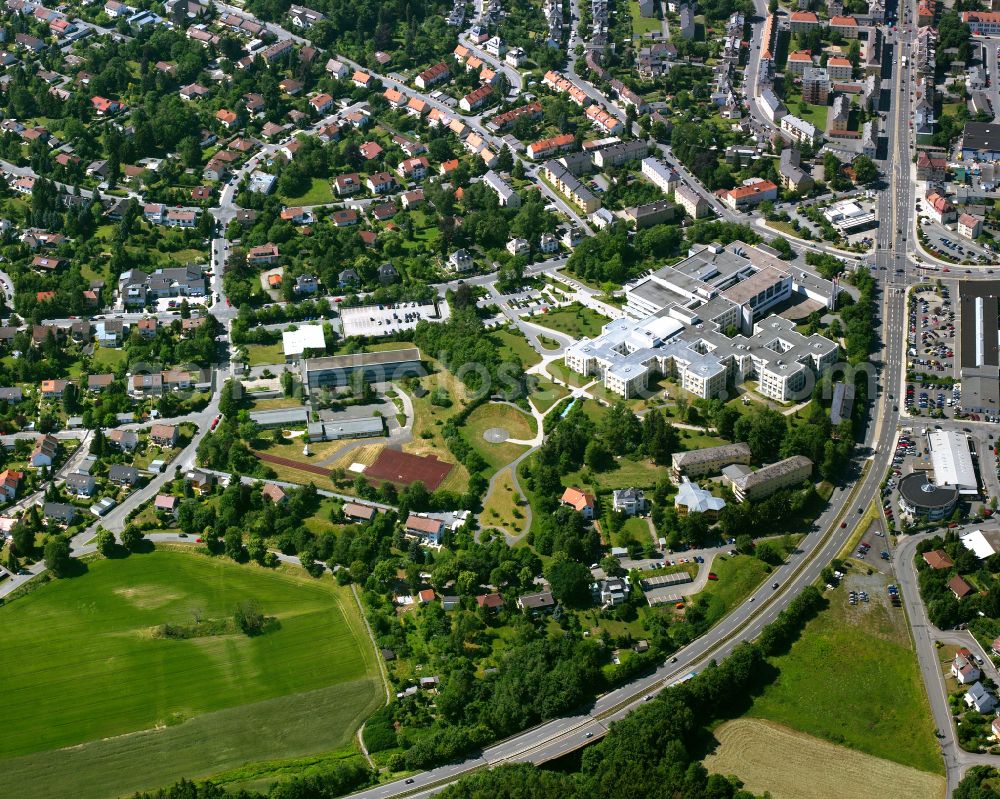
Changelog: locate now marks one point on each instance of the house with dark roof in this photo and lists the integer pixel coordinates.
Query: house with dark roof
(59, 512)
(125, 440)
(81, 485)
(123, 475)
(533, 604)
(959, 587)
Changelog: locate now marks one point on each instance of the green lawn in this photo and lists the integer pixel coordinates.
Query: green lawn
(574, 320)
(852, 678)
(517, 423)
(319, 193)
(266, 354)
(641, 25)
(560, 370)
(739, 576)
(634, 531)
(642, 473)
(81, 665)
(513, 343)
(816, 114)
(546, 393)
(108, 358)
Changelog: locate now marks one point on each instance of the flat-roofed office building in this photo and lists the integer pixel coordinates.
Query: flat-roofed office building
(373, 367)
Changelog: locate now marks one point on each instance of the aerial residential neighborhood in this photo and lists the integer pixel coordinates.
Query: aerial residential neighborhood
(500, 398)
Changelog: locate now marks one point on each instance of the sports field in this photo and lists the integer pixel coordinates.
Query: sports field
(790, 765)
(81, 664)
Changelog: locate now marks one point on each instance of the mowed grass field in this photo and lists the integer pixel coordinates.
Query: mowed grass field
(81, 665)
(517, 424)
(790, 765)
(852, 678)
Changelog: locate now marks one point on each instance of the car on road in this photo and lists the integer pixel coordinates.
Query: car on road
(774, 586)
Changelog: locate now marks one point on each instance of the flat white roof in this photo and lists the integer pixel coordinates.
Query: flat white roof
(981, 544)
(295, 342)
(952, 460)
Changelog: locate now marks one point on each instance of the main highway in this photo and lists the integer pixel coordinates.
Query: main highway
(561, 736)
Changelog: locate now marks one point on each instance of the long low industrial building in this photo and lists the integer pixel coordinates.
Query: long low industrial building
(373, 367)
(366, 427)
(979, 306)
(282, 417)
(951, 460)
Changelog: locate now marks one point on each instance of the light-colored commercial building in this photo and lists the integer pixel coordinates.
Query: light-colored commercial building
(709, 460)
(765, 481)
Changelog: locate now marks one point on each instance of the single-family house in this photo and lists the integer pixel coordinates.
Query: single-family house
(123, 475)
(81, 485)
(164, 435)
(630, 501)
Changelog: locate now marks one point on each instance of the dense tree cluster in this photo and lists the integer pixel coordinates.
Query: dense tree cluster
(472, 356)
(606, 257)
(943, 609)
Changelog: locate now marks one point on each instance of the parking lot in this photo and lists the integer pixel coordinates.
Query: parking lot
(383, 320)
(931, 344)
(912, 455)
(950, 246)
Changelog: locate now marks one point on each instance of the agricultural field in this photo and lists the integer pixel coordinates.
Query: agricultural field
(86, 665)
(790, 765)
(852, 678)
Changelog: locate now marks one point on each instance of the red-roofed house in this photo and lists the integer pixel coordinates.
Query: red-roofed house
(346, 185)
(940, 209)
(370, 150)
(803, 20)
(839, 68)
(425, 528)
(845, 26)
(475, 99)
(363, 79)
(959, 587)
(432, 76)
(103, 106)
(380, 183)
(490, 601)
(579, 501)
(938, 559)
(415, 168)
(748, 196)
(274, 492)
(227, 118)
(321, 103)
(931, 167)
(799, 61)
(9, 482)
